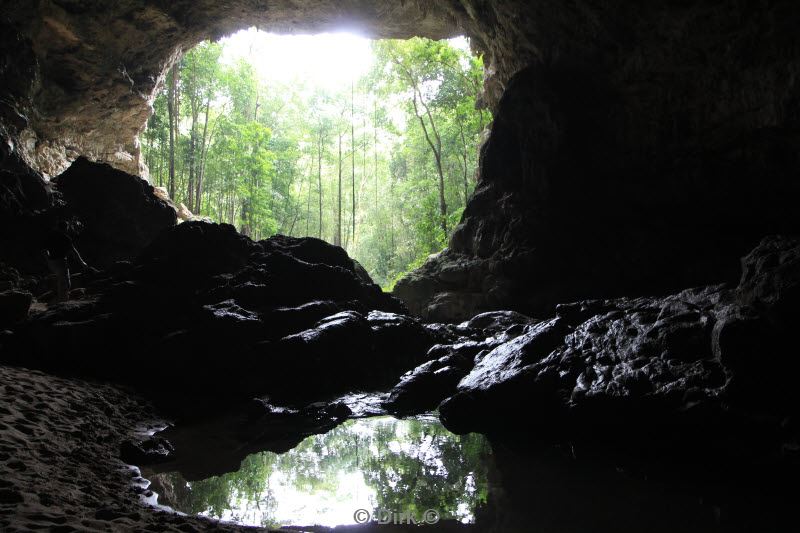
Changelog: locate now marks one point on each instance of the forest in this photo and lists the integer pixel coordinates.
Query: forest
(381, 164)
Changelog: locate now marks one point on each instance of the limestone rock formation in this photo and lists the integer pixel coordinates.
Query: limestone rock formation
(88, 71)
(626, 154)
(110, 215)
(119, 213)
(290, 318)
(633, 156)
(638, 149)
(23, 195)
(423, 389)
(690, 369)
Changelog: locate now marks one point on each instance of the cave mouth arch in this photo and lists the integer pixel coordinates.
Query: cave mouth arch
(610, 129)
(97, 70)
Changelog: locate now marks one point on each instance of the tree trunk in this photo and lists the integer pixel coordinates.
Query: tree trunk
(375, 149)
(391, 210)
(308, 193)
(190, 181)
(337, 237)
(172, 112)
(437, 154)
(353, 154)
(202, 165)
(319, 182)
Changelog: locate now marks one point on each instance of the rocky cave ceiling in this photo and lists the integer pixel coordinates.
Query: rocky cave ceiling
(86, 72)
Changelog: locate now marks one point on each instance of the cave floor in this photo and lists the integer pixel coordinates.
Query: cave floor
(59, 465)
(60, 470)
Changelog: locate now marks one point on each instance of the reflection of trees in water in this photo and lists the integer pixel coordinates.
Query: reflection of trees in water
(412, 465)
(245, 492)
(419, 465)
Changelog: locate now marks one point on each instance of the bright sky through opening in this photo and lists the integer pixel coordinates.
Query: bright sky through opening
(327, 60)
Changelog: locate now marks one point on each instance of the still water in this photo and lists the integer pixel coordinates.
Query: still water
(380, 464)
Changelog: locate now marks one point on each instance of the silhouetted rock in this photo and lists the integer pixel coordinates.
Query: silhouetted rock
(423, 388)
(14, 306)
(152, 450)
(24, 195)
(119, 212)
(313, 250)
(498, 321)
(202, 301)
(217, 443)
(702, 362)
(599, 181)
(193, 252)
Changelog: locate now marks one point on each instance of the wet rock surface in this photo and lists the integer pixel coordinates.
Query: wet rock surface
(703, 372)
(217, 444)
(424, 388)
(204, 306)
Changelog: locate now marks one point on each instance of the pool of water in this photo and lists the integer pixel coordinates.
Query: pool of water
(383, 466)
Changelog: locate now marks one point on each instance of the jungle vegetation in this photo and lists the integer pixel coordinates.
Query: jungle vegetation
(381, 165)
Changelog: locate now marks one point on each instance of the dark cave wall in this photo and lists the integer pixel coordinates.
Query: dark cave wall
(646, 155)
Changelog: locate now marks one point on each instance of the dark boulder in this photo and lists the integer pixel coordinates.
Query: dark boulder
(119, 212)
(204, 308)
(150, 450)
(192, 252)
(22, 192)
(498, 321)
(326, 358)
(423, 388)
(217, 443)
(14, 307)
(401, 341)
(24, 196)
(312, 250)
(696, 366)
(342, 353)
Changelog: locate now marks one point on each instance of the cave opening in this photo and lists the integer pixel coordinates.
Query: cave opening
(613, 312)
(370, 145)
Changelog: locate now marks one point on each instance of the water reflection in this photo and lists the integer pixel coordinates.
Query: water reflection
(379, 464)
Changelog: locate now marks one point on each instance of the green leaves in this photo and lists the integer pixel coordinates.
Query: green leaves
(265, 158)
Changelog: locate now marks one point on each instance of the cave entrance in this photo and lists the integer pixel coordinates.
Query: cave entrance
(367, 144)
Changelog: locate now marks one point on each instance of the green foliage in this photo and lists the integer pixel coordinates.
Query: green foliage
(264, 156)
